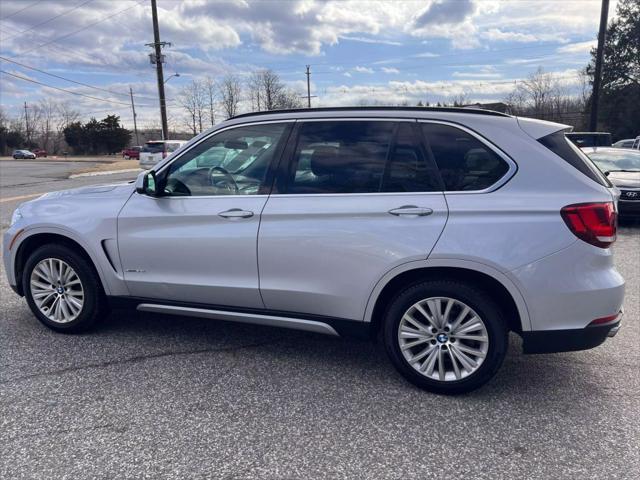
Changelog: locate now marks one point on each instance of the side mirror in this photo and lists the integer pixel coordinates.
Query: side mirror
(146, 183)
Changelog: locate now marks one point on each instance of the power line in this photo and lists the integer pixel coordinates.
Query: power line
(104, 19)
(70, 80)
(47, 21)
(21, 10)
(62, 89)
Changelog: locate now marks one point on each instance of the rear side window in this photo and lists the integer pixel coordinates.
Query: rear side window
(340, 157)
(465, 163)
(360, 157)
(559, 144)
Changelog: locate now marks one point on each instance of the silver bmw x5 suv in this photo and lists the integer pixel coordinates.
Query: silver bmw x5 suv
(438, 231)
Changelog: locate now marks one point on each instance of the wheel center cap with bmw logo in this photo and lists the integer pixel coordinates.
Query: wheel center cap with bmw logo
(442, 337)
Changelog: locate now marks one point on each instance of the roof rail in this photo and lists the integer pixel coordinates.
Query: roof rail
(477, 111)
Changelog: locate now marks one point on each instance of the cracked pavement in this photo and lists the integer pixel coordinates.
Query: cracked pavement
(148, 396)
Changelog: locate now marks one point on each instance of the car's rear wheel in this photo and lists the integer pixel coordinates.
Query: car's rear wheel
(445, 336)
(63, 290)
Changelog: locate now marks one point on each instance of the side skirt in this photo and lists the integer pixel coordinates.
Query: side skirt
(291, 320)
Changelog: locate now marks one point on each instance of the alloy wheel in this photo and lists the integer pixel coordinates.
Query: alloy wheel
(57, 290)
(443, 338)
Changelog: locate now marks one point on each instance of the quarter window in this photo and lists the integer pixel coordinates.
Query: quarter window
(465, 163)
(232, 162)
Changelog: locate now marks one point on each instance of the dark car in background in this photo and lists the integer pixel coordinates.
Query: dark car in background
(622, 166)
(23, 155)
(39, 152)
(590, 139)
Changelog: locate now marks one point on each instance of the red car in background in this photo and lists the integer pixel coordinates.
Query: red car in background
(40, 152)
(131, 152)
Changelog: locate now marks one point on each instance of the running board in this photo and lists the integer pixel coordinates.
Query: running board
(268, 320)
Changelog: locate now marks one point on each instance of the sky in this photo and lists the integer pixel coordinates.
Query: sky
(388, 51)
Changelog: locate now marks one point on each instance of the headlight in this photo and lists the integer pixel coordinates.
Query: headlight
(17, 215)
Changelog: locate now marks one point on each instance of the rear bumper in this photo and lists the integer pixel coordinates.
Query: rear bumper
(552, 341)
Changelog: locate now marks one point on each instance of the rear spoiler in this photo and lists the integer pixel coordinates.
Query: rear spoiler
(541, 128)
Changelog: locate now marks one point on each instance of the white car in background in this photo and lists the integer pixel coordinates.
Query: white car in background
(155, 150)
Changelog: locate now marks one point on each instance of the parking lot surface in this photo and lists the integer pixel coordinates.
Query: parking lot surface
(147, 396)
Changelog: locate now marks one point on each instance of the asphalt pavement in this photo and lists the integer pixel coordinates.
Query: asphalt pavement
(148, 396)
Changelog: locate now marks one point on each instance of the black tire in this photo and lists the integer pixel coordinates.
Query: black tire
(94, 306)
(480, 302)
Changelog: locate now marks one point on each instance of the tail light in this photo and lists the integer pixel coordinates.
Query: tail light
(595, 223)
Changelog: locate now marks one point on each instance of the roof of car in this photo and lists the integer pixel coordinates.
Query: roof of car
(388, 111)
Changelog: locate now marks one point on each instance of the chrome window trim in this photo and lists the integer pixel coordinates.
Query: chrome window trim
(513, 167)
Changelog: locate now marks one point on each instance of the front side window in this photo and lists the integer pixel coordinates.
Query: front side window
(465, 163)
(232, 162)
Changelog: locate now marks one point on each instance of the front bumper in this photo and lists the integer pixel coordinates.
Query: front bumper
(627, 208)
(553, 341)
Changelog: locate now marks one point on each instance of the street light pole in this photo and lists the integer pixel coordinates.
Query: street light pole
(135, 124)
(158, 60)
(308, 73)
(597, 74)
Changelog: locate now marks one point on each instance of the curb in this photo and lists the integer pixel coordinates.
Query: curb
(107, 172)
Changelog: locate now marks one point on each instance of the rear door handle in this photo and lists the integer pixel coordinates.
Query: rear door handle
(411, 211)
(236, 213)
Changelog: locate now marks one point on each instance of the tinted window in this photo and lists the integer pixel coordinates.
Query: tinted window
(465, 163)
(407, 168)
(340, 157)
(153, 147)
(559, 144)
(232, 162)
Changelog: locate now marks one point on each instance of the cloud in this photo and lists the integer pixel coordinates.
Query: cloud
(360, 69)
(390, 70)
(426, 55)
(579, 47)
(445, 12)
(370, 40)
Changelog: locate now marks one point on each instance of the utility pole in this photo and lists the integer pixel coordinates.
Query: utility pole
(597, 76)
(158, 57)
(26, 122)
(135, 123)
(308, 73)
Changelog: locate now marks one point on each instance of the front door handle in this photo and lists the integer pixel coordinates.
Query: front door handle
(411, 211)
(236, 213)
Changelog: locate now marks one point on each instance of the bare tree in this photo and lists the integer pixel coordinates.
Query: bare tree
(210, 90)
(230, 91)
(192, 99)
(268, 92)
(66, 115)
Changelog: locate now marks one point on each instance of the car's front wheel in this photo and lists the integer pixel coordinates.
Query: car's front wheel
(445, 336)
(62, 289)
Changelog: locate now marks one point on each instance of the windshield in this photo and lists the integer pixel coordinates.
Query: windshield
(153, 147)
(610, 161)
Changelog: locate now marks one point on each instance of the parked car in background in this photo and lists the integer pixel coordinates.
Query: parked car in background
(131, 153)
(39, 152)
(622, 166)
(590, 139)
(154, 151)
(626, 143)
(23, 154)
(438, 230)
